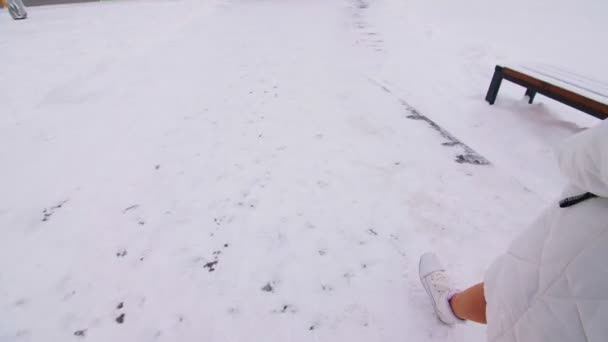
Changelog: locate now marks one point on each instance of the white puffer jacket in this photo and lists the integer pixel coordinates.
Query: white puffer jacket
(552, 284)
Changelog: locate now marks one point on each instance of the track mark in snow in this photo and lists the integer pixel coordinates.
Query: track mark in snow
(48, 212)
(287, 308)
(22, 333)
(223, 219)
(469, 156)
(211, 265)
(368, 38)
(327, 288)
(268, 287)
(140, 221)
(121, 253)
(80, 333)
(134, 206)
(67, 296)
(121, 318)
(362, 4)
(20, 302)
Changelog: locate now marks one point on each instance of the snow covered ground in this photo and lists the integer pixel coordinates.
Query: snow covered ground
(269, 170)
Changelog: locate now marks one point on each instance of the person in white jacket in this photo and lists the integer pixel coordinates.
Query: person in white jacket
(552, 283)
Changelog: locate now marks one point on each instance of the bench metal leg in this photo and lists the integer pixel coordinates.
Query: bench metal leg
(494, 85)
(530, 93)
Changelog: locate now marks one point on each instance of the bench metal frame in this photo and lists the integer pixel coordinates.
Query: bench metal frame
(534, 85)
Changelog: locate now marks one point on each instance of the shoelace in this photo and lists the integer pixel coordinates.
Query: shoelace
(439, 281)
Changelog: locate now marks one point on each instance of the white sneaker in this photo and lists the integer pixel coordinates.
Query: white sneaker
(437, 286)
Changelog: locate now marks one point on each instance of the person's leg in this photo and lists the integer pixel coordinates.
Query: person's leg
(470, 304)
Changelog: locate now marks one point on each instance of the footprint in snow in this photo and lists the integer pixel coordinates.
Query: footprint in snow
(80, 333)
(48, 212)
(211, 265)
(120, 319)
(268, 287)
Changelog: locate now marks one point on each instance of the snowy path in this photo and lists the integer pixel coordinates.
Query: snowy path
(242, 173)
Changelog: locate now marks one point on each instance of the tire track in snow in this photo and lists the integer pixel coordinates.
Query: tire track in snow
(468, 155)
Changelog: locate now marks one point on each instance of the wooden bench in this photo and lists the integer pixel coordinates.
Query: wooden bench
(536, 85)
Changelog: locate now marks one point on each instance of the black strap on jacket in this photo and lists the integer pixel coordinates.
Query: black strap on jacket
(570, 201)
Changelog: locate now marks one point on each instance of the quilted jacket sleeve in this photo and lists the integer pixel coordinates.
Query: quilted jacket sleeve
(552, 283)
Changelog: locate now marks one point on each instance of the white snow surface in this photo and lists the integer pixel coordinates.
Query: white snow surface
(172, 161)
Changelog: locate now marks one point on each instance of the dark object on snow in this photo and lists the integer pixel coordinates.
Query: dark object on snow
(534, 85)
(120, 319)
(211, 265)
(17, 9)
(570, 201)
(48, 212)
(134, 206)
(268, 288)
(81, 333)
